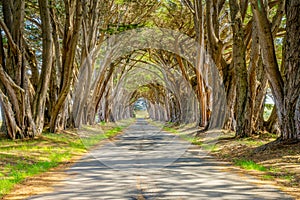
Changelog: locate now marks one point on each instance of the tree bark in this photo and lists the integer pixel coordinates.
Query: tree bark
(17, 92)
(268, 53)
(286, 89)
(72, 30)
(43, 84)
(239, 62)
(290, 121)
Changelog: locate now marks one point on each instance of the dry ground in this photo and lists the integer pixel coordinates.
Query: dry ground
(281, 161)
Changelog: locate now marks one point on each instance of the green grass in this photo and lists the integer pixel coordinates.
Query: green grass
(102, 123)
(267, 177)
(93, 140)
(18, 172)
(169, 129)
(251, 142)
(249, 165)
(20, 159)
(288, 177)
(191, 139)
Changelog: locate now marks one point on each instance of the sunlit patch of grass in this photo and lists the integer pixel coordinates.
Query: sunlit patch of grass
(18, 172)
(267, 177)
(288, 177)
(169, 129)
(210, 147)
(249, 165)
(5, 186)
(251, 142)
(199, 142)
(20, 159)
(196, 141)
(274, 170)
(91, 141)
(102, 123)
(191, 139)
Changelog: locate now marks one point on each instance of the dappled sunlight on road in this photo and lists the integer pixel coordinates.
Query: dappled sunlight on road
(142, 165)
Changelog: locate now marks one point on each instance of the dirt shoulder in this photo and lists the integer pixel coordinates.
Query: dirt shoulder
(280, 163)
(43, 182)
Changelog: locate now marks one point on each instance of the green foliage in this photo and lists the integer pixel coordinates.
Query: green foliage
(267, 111)
(119, 28)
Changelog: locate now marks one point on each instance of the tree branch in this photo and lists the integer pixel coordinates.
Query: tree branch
(9, 37)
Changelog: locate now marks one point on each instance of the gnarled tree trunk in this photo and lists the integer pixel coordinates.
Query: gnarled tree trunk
(71, 37)
(290, 109)
(239, 62)
(285, 88)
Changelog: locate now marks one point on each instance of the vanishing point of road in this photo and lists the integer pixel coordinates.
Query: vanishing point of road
(147, 163)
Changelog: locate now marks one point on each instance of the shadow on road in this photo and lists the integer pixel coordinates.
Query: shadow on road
(147, 163)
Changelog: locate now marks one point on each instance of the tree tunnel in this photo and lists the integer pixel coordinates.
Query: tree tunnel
(167, 68)
(61, 62)
(158, 65)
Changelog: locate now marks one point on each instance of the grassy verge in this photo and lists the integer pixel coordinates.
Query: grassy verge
(25, 158)
(279, 165)
(192, 140)
(171, 129)
(249, 165)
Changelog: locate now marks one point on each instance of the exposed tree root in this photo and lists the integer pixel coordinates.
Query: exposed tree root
(275, 144)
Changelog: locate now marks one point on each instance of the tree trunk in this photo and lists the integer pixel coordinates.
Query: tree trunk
(268, 53)
(285, 90)
(298, 116)
(239, 62)
(57, 65)
(271, 125)
(72, 30)
(252, 80)
(290, 121)
(260, 96)
(43, 84)
(84, 81)
(99, 92)
(15, 92)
